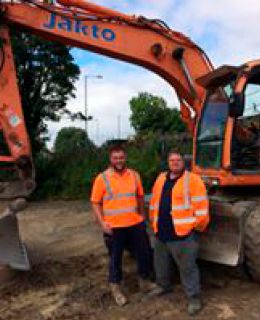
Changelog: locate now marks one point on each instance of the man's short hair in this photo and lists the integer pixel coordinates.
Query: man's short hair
(175, 151)
(116, 149)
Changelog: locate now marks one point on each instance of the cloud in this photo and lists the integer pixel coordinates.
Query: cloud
(228, 30)
(234, 25)
(148, 8)
(108, 99)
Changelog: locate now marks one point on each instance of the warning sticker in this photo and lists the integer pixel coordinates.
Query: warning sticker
(14, 120)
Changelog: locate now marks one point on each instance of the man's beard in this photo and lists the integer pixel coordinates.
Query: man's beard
(178, 172)
(120, 168)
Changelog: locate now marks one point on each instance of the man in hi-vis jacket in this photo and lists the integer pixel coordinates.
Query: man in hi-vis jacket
(118, 203)
(178, 212)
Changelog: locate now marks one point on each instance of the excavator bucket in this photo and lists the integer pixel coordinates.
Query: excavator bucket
(222, 243)
(12, 250)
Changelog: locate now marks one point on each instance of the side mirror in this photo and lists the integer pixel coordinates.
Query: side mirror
(237, 105)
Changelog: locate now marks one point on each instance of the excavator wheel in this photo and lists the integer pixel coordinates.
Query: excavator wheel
(252, 243)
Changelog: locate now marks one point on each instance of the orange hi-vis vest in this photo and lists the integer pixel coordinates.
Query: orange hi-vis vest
(189, 204)
(120, 206)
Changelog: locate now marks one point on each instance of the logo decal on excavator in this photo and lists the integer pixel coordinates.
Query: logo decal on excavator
(79, 26)
(13, 118)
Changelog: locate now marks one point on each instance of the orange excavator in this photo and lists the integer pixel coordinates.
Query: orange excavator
(216, 104)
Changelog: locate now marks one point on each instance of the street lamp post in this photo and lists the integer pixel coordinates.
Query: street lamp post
(97, 130)
(86, 98)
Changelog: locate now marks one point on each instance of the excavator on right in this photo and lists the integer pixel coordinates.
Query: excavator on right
(227, 156)
(219, 106)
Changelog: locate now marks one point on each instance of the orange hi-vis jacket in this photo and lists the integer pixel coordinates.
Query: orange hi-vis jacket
(118, 195)
(189, 203)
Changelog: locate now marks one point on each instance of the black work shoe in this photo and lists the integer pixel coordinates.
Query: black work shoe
(194, 305)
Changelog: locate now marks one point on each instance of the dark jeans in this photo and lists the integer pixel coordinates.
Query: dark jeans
(135, 239)
(185, 254)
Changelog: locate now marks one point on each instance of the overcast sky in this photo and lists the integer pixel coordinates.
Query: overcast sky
(228, 30)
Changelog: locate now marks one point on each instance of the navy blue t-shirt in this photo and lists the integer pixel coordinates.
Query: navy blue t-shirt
(166, 232)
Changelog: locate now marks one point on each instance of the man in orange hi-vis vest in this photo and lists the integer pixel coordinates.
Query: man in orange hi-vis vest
(118, 203)
(178, 212)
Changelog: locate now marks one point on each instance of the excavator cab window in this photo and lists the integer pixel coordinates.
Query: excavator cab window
(245, 150)
(211, 130)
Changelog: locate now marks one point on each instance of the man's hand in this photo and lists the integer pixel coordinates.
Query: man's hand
(99, 215)
(106, 228)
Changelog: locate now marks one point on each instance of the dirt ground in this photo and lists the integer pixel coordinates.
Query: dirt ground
(68, 277)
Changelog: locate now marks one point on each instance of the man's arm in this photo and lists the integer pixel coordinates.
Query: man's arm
(140, 197)
(200, 205)
(98, 211)
(97, 194)
(152, 201)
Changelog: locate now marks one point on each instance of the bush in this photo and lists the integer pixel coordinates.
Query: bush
(70, 174)
(67, 176)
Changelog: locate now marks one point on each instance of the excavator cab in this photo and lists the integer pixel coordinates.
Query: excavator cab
(227, 156)
(228, 131)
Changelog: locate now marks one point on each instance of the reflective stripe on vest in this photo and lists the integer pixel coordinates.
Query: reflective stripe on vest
(186, 193)
(108, 187)
(155, 219)
(115, 212)
(112, 196)
(201, 212)
(154, 207)
(116, 196)
(199, 198)
(184, 220)
(119, 196)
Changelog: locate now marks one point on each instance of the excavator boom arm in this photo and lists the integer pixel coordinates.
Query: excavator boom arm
(144, 42)
(134, 39)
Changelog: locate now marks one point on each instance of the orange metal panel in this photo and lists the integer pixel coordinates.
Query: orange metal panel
(226, 161)
(11, 114)
(121, 41)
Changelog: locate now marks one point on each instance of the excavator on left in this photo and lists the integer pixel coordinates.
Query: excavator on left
(134, 39)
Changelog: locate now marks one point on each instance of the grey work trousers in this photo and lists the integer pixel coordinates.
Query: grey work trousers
(185, 254)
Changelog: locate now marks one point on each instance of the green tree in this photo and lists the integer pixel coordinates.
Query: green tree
(46, 76)
(151, 113)
(71, 168)
(72, 140)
